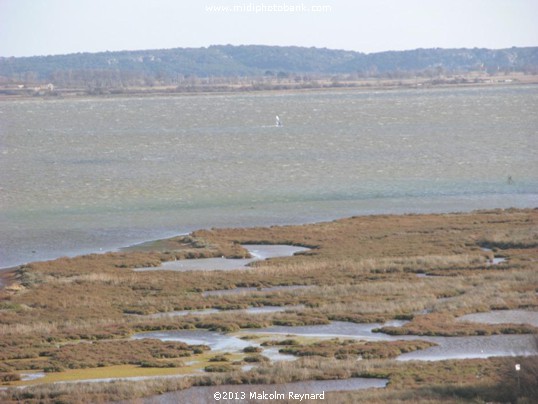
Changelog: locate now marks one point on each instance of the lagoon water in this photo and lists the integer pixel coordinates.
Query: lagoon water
(85, 175)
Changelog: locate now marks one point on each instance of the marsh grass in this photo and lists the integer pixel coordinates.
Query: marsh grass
(344, 349)
(446, 381)
(361, 269)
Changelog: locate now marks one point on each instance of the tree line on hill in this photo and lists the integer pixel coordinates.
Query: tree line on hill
(224, 63)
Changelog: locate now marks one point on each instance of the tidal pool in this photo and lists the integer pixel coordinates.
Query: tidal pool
(337, 329)
(447, 347)
(494, 260)
(497, 261)
(31, 376)
(258, 251)
(216, 341)
(474, 347)
(229, 343)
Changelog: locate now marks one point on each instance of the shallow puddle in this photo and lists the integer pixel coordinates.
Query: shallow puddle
(495, 260)
(25, 377)
(258, 251)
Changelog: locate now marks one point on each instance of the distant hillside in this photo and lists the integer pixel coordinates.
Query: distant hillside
(169, 66)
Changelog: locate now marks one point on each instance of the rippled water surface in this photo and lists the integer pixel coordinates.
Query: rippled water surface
(88, 174)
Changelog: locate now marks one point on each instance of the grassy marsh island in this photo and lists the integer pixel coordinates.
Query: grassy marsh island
(74, 318)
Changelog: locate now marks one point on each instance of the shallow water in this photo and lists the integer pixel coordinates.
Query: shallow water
(447, 347)
(497, 260)
(258, 252)
(32, 376)
(204, 395)
(84, 175)
(216, 341)
(474, 347)
(335, 329)
(503, 317)
(231, 343)
(249, 310)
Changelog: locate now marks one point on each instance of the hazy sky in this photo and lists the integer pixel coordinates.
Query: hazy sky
(43, 27)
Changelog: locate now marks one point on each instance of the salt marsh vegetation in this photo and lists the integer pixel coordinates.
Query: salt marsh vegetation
(74, 314)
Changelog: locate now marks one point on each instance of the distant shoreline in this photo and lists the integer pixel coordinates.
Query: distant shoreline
(249, 85)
